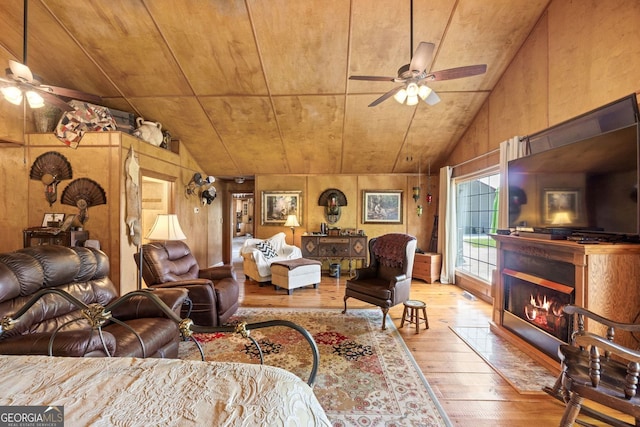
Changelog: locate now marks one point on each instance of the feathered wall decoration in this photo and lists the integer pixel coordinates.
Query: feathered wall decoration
(83, 193)
(51, 168)
(332, 200)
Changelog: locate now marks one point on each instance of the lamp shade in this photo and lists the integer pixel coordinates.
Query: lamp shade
(292, 221)
(166, 227)
(412, 100)
(400, 96)
(424, 92)
(34, 99)
(13, 94)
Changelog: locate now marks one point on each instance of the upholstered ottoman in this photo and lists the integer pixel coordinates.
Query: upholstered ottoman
(295, 273)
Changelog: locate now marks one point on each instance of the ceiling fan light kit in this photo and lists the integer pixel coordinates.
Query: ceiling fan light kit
(20, 78)
(414, 76)
(13, 94)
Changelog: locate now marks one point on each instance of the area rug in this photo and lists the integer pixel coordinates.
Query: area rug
(366, 376)
(516, 367)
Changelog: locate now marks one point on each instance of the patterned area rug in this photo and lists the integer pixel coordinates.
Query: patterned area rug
(515, 366)
(366, 377)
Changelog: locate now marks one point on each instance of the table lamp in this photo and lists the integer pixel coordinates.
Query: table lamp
(292, 221)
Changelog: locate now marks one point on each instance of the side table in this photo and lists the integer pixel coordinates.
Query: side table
(48, 236)
(427, 266)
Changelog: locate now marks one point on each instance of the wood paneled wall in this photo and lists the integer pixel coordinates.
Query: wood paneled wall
(312, 186)
(580, 55)
(100, 156)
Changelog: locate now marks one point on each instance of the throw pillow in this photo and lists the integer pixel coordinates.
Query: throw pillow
(266, 249)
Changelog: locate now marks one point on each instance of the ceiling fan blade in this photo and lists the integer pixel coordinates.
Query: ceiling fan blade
(386, 96)
(20, 71)
(372, 78)
(432, 99)
(457, 73)
(11, 82)
(71, 93)
(52, 99)
(422, 58)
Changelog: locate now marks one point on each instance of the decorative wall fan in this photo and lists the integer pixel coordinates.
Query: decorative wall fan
(20, 80)
(414, 78)
(51, 168)
(83, 193)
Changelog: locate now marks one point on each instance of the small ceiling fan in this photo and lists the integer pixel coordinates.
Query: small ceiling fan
(20, 80)
(414, 78)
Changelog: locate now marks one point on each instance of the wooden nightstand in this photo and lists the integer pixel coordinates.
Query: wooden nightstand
(427, 267)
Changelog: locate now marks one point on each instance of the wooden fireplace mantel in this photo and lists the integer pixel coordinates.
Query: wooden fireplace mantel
(606, 277)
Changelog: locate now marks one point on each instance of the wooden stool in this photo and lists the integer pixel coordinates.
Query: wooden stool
(413, 307)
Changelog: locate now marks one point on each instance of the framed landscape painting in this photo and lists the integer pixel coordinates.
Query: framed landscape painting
(383, 206)
(277, 205)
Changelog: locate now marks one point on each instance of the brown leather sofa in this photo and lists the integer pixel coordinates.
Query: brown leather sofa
(82, 273)
(214, 291)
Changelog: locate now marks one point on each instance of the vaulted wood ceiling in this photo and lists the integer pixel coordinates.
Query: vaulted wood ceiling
(257, 86)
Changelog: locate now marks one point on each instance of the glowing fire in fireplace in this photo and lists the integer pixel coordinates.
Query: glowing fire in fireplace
(532, 309)
(546, 313)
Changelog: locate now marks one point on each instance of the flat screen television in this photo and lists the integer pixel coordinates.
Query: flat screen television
(582, 175)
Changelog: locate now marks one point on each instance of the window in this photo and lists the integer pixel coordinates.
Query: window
(477, 216)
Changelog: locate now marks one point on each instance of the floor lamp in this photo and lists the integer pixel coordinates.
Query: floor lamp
(164, 229)
(292, 221)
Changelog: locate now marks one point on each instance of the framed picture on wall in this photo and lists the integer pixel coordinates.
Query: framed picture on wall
(382, 206)
(277, 205)
(52, 218)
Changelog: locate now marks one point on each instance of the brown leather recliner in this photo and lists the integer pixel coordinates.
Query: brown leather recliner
(214, 291)
(386, 282)
(52, 272)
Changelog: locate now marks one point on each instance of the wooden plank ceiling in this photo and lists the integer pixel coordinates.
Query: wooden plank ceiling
(255, 86)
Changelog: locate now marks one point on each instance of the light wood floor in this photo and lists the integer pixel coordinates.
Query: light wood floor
(469, 390)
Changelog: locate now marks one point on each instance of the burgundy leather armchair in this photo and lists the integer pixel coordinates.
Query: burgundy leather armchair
(39, 288)
(386, 282)
(214, 291)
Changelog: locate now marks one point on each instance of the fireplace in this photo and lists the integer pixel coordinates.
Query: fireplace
(534, 298)
(533, 309)
(601, 277)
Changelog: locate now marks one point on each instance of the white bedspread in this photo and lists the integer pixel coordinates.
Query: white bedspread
(160, 392)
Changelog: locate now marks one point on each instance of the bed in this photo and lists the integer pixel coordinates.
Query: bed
(160, 392)
(131, 391)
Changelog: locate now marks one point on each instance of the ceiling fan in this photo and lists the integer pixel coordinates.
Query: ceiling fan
(414, 78)
(20, 80)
